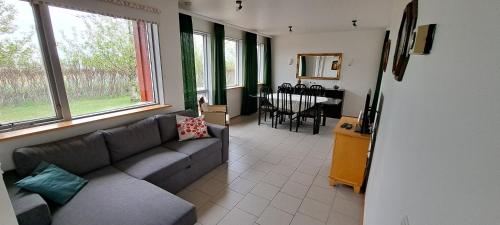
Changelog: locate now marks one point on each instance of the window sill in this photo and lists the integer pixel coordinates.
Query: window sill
(76, 122)
(233, 87)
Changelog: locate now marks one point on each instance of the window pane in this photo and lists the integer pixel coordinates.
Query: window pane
(199, 61)
(231, 57)
(104, 60)
(24, 89)
(260, 65)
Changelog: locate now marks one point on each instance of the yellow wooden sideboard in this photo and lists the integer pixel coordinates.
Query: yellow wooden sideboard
(350, 153)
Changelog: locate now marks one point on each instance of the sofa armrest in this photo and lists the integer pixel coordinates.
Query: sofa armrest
(221, 132)
(31, 209)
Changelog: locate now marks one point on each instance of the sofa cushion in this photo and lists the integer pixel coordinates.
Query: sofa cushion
(53, 183)
(191, 128)
(133, 138)
(154, 164)
(78, 155)
(168, 129)
(196, 149)
(114, 198)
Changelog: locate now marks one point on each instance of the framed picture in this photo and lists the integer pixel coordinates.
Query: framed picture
(335, 65)
(405, 40)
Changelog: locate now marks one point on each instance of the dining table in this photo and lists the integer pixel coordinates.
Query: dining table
(295, 99)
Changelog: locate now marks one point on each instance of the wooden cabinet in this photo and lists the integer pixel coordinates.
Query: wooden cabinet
(350, 153)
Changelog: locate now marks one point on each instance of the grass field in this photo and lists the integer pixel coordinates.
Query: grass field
(78, 107)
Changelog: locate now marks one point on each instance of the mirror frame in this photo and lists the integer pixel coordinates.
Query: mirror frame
(319, 78)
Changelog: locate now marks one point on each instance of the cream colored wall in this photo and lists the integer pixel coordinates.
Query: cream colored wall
(436, 157)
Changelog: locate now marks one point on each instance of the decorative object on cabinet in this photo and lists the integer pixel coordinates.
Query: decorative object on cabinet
(349, 155)
(319, 66)
(424, 39)
(405, 40)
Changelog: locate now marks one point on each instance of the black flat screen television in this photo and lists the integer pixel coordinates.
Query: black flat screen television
(365, 122)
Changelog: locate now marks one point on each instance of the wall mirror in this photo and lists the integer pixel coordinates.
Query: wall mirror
(319, 66)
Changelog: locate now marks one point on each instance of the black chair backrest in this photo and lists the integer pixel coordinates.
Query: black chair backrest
(317, 90)
(286, 85)
(266, 96)
(305, 99)
(308, 97)
(284, 98)
(299, 88)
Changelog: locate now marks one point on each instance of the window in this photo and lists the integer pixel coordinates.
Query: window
(99, 61)
(231, 51)
(200, 59)
(102, 64)
(24, 88)
(260, 63)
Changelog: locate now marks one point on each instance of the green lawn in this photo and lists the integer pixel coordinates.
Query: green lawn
(77, 107)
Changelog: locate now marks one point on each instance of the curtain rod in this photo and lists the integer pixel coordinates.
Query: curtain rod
(183, 11)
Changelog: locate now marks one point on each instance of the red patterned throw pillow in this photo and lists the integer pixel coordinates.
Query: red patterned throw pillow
(191, 128)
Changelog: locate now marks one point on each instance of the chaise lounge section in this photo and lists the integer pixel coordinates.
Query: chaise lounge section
(132, 172)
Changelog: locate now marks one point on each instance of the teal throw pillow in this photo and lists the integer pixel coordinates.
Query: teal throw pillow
(53, 183)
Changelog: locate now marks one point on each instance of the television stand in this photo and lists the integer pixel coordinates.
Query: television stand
(350, 154)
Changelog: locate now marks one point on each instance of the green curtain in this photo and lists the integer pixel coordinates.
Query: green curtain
(219, 66)
(188, 68)
(303, 63)
(249, 103)
(267, 63)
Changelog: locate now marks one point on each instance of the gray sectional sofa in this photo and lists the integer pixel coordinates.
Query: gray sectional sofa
(132, 172)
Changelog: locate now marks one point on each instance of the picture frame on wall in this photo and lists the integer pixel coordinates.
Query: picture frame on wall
(406, 36)
(335, 65)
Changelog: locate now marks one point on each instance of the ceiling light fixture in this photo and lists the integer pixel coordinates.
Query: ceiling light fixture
(239, 6)
(290, 29)
(355, 23)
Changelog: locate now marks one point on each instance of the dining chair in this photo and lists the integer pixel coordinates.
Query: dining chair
(286, 85)
(284, 105)
(308, 108)
(266, 104)
(318, 90)
(299, 88)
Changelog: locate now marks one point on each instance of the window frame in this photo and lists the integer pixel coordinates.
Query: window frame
(238, 62)
(50, 59)
(206, 92)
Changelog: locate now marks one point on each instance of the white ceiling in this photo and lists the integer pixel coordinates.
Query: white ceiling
(272, 17)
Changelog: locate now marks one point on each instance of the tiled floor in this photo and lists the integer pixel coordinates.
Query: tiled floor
(274, 177)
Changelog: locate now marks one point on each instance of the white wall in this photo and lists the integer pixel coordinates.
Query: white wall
(436, 158)
(172, 79)
(363, 48)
